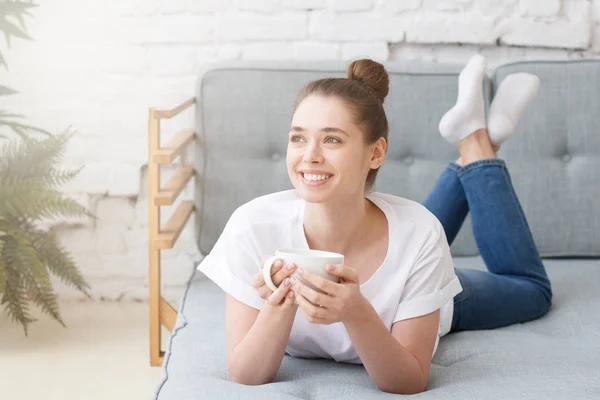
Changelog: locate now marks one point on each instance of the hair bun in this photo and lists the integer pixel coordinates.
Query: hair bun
(371, 74)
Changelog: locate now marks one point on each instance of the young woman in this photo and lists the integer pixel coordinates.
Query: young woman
(399, 291)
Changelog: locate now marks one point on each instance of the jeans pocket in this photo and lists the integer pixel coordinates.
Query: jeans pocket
(463, 282)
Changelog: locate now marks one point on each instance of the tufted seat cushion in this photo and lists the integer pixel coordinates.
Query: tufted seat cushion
(555, 357)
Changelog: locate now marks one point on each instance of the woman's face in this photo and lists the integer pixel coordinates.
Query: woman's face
(327, 157)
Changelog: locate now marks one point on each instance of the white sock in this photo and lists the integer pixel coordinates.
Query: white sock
(468, 115)
(514, 94)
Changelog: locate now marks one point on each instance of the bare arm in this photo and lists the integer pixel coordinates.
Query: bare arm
(256, 340)
(397, 361)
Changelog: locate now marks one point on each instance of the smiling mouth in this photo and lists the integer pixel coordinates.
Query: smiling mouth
(315, 178)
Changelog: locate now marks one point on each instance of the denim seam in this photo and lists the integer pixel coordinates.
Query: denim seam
(513, 196)
(454, 166)
(517, 206)
(481, 163)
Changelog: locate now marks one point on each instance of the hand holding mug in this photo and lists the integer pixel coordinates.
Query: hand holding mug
(279, 275)
(309, 260)
(331, 302)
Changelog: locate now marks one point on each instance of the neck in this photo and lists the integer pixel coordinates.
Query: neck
(336, 227)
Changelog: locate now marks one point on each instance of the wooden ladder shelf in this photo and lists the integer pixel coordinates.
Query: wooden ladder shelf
(161, 312)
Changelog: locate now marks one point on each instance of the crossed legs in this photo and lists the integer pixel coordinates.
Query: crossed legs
(516, 287)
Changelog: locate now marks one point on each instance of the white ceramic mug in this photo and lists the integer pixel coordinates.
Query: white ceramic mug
(309, 260)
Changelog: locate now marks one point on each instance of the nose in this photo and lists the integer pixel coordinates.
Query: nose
(313, 155)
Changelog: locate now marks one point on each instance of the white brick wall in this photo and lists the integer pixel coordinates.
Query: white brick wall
(97, 65)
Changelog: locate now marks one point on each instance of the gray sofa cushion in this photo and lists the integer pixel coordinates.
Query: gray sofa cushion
(555, 357)
(554, 156)
(243, 119)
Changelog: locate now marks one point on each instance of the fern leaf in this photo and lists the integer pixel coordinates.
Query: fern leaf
(31, 199)
(53, 204)
(28, 256)
(18, 127)
(6, 91)
(42, 295)
(32, 158)
(29, 259)
(10, 29)
(14, 297)
(2, 269)
(20, 198)
(16, 8)
(57, 177)
(58, 260)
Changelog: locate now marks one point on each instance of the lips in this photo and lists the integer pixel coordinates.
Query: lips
(314, 178)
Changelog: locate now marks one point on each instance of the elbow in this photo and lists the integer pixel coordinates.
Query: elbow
(403, 388)
(248, 378)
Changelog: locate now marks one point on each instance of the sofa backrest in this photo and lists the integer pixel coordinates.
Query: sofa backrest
(554, 156)
(243, 115)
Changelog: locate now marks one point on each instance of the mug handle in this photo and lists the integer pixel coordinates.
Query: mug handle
(266, 270)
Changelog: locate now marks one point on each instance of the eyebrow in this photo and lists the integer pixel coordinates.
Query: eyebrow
(328, 129)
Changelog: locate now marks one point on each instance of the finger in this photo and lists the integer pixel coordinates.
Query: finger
(313, 320)
(258, 280)
(342, 271)
(264, 292)
(288, 300)
(283, 273)
(278, 295)
(320, 283)
(310, 309)
(276, 266)
(312, 295)
(264, 259)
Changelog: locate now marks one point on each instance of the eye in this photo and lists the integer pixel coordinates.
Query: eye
(296, 139)
(332, 139)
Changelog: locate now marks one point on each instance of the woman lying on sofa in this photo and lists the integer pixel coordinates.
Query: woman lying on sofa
(398, 290)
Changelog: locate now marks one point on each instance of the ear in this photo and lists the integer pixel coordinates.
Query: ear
(378, 153)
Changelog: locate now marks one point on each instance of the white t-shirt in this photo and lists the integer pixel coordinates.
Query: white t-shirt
(416, 278)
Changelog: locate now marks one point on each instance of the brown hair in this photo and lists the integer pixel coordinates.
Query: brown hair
(363, 90)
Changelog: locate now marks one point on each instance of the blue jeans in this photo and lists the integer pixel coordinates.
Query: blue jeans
(515, 288)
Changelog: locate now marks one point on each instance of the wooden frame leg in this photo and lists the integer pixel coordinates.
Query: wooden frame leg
(156, 355)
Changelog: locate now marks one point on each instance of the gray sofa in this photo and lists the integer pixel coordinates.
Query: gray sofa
(243, 115)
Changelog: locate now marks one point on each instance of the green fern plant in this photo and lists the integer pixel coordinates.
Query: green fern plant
(12, 24)
(29, 178)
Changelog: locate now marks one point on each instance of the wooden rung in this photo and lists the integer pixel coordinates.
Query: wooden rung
(166, 155)
(167, 114)
(168, 235)
(167, 313)
(174, 186)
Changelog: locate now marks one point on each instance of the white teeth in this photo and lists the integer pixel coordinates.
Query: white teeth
(311, 177)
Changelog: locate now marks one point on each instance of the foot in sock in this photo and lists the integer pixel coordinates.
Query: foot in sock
(468, 113)
(512, 97)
